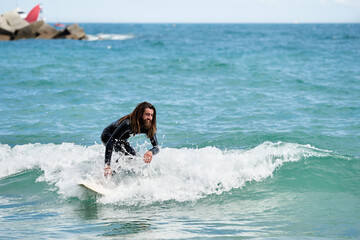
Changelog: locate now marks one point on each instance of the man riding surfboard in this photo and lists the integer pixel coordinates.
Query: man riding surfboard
(115, 136)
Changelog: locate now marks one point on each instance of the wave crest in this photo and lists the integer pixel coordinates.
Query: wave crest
(174, 174)
(103, 36)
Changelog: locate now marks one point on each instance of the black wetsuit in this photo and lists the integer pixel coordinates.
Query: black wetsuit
(115, 136)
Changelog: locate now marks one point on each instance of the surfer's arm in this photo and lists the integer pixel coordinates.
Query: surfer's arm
(149, 154)
(155, 145)
(117, 135)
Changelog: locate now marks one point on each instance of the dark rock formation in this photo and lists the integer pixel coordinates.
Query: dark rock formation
(46, 32)
(13, 27)
(72, 32)
(29, 31)
(4, 37)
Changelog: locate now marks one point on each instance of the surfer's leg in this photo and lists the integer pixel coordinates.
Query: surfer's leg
(129, 150)
(124, 147)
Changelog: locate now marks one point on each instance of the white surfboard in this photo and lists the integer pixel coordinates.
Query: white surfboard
(96, 188)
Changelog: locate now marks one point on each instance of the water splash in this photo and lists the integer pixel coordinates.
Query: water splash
(174, 174)
(115, 37)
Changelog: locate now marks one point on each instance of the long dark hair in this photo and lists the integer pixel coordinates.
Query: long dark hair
(136, 119)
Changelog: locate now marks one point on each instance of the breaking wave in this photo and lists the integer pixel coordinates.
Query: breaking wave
(103, 36)
(174, 174)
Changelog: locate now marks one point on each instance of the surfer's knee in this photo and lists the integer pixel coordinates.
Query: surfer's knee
(124, 147)
(129, 150)
(105, 136)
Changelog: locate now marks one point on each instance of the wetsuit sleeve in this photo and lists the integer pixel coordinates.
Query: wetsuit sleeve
(119, 132)
(155, 148)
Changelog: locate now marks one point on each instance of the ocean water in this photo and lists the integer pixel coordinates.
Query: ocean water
(258, 126)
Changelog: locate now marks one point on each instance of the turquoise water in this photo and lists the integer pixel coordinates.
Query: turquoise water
(258, 126)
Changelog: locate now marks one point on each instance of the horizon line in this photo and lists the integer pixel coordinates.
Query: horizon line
(294, 23)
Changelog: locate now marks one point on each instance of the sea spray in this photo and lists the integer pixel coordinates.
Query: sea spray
(174, 174)
(62, 165)
(115, 37)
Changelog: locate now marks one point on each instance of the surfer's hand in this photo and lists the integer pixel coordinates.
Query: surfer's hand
(148, 157)
(107, 171)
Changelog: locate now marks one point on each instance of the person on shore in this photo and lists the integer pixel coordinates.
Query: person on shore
(115, 136)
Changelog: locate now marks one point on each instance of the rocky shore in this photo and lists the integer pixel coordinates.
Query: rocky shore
(13, 27)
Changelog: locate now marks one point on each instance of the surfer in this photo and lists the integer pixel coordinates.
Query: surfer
(114, 136)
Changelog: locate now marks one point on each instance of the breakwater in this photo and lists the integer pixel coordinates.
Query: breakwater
(13, 27)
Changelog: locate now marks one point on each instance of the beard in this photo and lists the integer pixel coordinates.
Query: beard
(146, 124)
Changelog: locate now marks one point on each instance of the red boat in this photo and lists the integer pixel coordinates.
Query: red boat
(59, 25)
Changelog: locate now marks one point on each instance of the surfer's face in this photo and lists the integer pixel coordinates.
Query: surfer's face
(148, 117)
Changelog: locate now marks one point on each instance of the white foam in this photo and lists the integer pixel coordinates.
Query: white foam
(62, 165)
(174, 174)
(103, 36)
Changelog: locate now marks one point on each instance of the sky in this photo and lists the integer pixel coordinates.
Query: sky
(193, 11)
